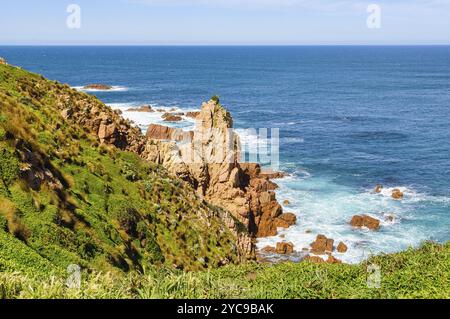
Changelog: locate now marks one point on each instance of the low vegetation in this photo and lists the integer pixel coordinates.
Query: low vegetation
(421, 273)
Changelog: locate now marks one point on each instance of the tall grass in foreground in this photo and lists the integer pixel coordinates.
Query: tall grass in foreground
(421, 273)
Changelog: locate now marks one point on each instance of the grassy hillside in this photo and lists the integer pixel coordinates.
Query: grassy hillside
(422, 273)
(65, 199)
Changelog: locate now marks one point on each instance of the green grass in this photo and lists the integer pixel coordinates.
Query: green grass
(421, 273)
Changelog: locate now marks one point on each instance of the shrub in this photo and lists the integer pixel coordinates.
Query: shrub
(9, 167)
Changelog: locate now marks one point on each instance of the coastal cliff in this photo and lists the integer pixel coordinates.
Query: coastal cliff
(73, 190)
(206, 158)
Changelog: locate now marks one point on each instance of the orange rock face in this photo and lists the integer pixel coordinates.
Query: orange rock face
(322, 245)
(359, 221)
(161, 132)
(285, 248)
(342, 248)
(286, 220)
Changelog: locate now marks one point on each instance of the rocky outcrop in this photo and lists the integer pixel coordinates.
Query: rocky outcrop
(3, 61)
(359, 221)
(161, 132)
(322, 245)
(207, 159)
(210, 163)
(102, 87)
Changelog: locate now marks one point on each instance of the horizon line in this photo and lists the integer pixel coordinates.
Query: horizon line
(216, 45)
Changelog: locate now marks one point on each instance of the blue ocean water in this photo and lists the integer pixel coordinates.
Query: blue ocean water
(349, 117)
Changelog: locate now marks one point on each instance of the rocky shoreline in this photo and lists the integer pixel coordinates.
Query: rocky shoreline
(207, 158)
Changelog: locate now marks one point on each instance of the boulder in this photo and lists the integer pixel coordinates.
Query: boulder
(397, 194)
(378, 188)
(342, 248)
(102, 87)
(286, 202)
(359, 221)
(322, 245)
(284, 248)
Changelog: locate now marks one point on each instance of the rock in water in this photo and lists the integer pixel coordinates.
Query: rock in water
(286, 202)
(378, 188)
(144, 108)
(168, 117)
(397, 194)
(102, 87)
(359, 221)
(342, 248)
(321, 245)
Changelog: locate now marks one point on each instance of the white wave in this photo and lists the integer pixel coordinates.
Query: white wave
(114, 88)
(323, 207)
(145, 119)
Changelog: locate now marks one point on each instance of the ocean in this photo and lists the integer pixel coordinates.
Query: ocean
(350, 117)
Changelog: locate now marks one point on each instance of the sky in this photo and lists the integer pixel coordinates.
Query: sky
(225, 22)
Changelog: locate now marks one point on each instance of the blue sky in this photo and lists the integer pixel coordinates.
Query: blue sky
(225, 22)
